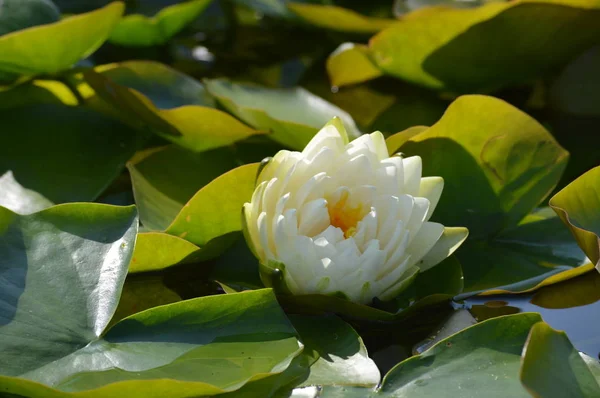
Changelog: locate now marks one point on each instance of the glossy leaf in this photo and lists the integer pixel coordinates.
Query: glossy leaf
(396, 141)
(51, 48)
(338, 18)
(485, 357)
(156, 98)
(421, 46)
(512, 163)
(552, 367)
(215, 210)
(165, 179)
(341, 357)
(578, 206)
(350, 64)
(155, 251)
(137, 30)
(293, 116)
(203, 346)
(64, 153)
(19, 199)
(63, 269)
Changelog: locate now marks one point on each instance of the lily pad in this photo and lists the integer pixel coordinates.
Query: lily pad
(165, 179)
(65, 154)
(156, 98)
(513, 163)
(338, 18)
(421, 46)
(155, 251)
(552, 367)
(293, 116)
(19, 199)
(50, 49)
(350, 64)
(578, 206)
(137, 30)
(483, 358)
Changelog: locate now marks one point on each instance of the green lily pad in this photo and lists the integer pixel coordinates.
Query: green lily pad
(578, 206)
(63, 269)
(165, 179)
(513, 163)
(293, 116)
(350, 64)
(552, 367)
(155, 251)
(424, 44)
(137, 30)
(340, 356)
(333, 353)
(156, 98)
(482, 359)
(338, 18)
(21, 14)
(215, 210)
(65, 154)
(19, 199)
(198, 347)
(50, 49)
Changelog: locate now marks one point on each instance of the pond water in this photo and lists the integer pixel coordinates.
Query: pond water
(572, 306)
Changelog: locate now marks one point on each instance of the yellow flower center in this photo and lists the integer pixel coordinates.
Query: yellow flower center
(344, 217)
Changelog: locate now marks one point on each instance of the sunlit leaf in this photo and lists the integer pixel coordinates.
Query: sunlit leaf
(154, 97)
(448, 48)
(19, 199)
(552, 367)
(338, 18)
(58, 46)
(350, 64)
(137, 30)
(578, 206)
(293, 116)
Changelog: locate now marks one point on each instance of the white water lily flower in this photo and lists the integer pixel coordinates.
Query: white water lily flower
(347, 217)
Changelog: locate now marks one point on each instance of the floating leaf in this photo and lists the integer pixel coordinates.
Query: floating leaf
(55, 47)
(552, 367)
(485, 357)
(137, 30)
(292, 115)
(154, 97)
(66, 154)
(165, 179)
(63, 269)
(421, 46)
(338, 18)
(19, 199)
(215, 210)
(350, 64)
(512, 163)
(578, 206)
(203, 346)
(341, 357)
(155, 251)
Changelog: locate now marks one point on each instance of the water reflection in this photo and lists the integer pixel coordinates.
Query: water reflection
(572, 306)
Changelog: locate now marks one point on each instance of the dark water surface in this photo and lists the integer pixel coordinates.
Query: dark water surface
(572, 306)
